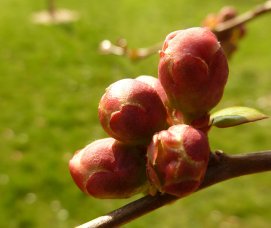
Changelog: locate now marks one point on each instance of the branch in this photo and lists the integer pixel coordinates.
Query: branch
(243, 18)
(221, 167)
(121, 49)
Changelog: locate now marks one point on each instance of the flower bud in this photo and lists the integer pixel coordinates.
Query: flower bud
(177, 160)
(131, 111)
(108, 168)
(193, 71)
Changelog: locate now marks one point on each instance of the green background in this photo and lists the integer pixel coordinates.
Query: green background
(51, 80)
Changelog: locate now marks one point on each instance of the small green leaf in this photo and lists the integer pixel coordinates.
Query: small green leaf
(234, 116)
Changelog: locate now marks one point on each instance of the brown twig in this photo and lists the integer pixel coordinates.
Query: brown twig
(244, 18)
(107, 47)
(221, 167)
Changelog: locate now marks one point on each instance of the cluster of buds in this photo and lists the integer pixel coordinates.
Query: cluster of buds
(157, 127)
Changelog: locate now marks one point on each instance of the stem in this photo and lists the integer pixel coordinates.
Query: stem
(244, 18)
(228, 166)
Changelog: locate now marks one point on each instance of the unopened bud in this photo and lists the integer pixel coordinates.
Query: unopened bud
(193, 71)
(177, 160)
(131, 111)
(107, 168)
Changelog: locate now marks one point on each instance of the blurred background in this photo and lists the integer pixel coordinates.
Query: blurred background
(51, 80)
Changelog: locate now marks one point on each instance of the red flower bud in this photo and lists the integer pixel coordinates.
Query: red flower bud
(177, 160)
(193, 71)
(107, 168)
(131, 111)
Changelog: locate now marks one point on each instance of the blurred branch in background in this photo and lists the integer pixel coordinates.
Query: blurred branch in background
(52, 15)
(120, 48)
(227, 25)
(221, 167)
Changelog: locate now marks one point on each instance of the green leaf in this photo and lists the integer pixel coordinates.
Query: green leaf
(234, 116)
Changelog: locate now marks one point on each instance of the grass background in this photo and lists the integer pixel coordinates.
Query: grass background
(51, 80)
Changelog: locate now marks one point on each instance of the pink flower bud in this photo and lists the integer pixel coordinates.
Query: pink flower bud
(131, 111)
(193, 71)
(108, 168)
(177, 160)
